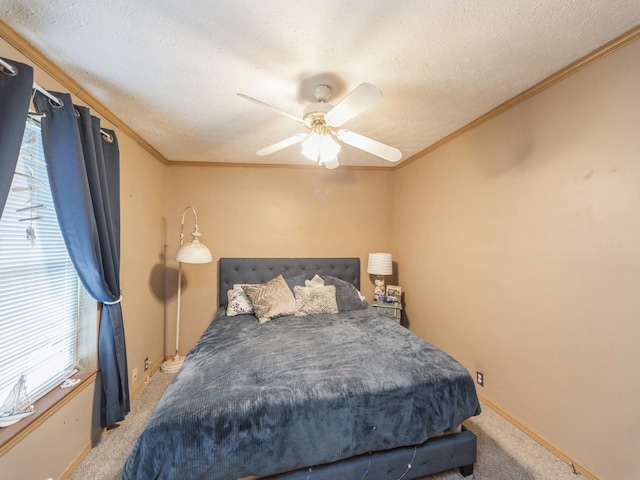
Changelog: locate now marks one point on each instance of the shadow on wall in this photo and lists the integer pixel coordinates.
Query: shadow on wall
(404, 317)
(163, 281)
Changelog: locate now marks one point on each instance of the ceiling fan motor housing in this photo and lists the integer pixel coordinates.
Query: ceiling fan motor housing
(313, 116)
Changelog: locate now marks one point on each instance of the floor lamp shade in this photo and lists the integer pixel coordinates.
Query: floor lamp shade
(192, 252)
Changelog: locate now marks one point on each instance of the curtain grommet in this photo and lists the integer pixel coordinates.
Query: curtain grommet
(107, 137)
(8, 71)
(58, 104)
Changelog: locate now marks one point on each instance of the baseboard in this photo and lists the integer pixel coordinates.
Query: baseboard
(67, 473)
(577, 467)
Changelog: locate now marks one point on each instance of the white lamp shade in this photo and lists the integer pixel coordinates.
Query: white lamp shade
(194, 252)
(321, 148)
(311, 147)
(331, 163)
(380, 264)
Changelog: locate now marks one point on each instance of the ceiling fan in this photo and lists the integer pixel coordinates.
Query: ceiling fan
(323, 121)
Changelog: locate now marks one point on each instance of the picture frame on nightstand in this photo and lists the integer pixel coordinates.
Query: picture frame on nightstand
(394, 294)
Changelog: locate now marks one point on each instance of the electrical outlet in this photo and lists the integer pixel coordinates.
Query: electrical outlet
(134, 375)
(146, 364)
(480, 378)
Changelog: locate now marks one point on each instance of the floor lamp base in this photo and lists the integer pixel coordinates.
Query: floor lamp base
(172, 365)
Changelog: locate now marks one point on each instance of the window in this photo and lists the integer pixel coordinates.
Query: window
(47, 320)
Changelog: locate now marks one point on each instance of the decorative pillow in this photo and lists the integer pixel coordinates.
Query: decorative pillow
(238, 303)
(310, 300)
(347, 296)
(316, 281)
(297, 280)
(271, 299)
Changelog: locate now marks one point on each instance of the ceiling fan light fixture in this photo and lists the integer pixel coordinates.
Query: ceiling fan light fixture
(331, 163)
(329, 148)
(321, 148)
(311, 147)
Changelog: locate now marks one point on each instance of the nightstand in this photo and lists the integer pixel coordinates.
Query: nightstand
(391, 310)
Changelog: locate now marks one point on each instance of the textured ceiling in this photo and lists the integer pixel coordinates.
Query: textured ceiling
(171, 70)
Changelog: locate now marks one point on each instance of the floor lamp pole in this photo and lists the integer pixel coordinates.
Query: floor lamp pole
(173, 365)
(178, 312)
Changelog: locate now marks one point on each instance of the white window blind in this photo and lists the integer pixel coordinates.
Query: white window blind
(41, 299)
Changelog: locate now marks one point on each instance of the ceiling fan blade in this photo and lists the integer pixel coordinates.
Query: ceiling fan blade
(260, 102)
(367, 144)
(282, 144)
(360, 99)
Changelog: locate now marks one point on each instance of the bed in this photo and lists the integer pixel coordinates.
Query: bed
(331, 391)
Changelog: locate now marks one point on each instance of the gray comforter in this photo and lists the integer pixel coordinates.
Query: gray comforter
(259, 399)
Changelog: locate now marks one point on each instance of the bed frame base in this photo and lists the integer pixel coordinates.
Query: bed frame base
(466, 470)
(434, 456)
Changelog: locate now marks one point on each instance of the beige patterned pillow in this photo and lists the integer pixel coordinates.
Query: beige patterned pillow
(271, 299)
(310, 300)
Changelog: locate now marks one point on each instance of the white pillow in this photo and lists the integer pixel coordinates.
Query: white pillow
(316, 281)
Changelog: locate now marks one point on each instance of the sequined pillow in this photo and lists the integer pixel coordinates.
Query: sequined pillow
(310, 300)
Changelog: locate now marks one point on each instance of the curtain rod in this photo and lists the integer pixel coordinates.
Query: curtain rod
(51, 97)
(14, 71)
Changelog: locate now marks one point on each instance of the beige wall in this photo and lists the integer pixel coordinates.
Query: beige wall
(269, 212)
(142, 200)
(62, 438)
(519, 252)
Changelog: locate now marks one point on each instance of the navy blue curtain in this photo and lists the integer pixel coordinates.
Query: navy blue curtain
(15, 93)
(84, 173)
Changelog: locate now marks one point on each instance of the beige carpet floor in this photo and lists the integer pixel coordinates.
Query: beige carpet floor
(504, 452)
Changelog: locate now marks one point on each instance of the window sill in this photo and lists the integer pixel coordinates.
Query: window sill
(45, 408)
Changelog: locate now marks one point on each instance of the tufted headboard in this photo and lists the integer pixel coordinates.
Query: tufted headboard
(260, 270)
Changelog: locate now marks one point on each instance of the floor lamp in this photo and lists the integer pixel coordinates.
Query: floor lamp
(192, 252)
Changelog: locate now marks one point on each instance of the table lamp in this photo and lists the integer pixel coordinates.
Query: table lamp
(379, 264)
